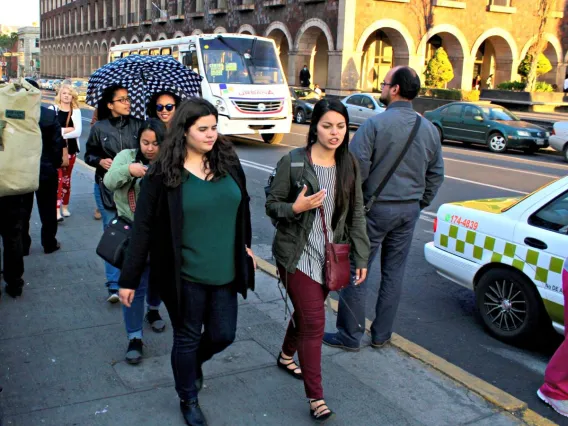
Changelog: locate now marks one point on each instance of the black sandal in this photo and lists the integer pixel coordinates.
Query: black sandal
(289, 366)
(322, 413)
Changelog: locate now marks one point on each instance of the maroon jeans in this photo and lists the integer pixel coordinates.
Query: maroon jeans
(305, 332)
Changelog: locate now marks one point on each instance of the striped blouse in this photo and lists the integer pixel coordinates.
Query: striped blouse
(312, 259)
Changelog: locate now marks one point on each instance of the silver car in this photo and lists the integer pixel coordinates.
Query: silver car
(559, 138)
(362, 106)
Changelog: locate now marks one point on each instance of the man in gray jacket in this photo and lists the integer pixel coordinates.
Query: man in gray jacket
(393, 216)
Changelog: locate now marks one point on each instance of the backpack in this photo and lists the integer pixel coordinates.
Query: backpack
(297, 166)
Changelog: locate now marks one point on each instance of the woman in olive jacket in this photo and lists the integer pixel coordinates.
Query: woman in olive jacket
(328, 182)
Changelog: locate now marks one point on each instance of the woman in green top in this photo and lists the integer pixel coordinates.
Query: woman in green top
(123, 178)
(193, 218)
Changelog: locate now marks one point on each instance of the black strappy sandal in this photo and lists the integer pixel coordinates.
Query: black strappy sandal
(322, 413)
(285, 364)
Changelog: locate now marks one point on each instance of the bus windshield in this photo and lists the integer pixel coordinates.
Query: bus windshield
(240, 61)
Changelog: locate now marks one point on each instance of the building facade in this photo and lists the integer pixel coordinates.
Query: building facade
(28, 51)
(349, 45)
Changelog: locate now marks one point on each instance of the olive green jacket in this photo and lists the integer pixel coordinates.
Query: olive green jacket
(292, 230)
(119, 180)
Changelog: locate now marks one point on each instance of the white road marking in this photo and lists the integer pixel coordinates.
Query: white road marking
(503, 168)
(486, 184)
(525, 360)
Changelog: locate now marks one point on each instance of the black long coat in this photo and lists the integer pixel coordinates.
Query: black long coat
(157, 232)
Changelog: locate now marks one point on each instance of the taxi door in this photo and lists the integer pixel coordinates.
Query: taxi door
(541, 238)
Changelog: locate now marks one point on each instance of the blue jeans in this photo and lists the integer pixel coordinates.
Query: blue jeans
(214, 307)
(112, 273)
(390, 227)
(134, 316)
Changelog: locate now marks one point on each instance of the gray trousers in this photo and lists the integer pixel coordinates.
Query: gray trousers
(390, 227)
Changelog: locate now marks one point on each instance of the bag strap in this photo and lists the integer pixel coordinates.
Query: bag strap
(387, 177)
(132, 196)
(69, 116)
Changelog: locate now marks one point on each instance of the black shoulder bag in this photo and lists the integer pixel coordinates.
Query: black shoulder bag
(387, 177)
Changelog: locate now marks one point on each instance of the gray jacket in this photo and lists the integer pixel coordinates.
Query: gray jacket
(379, 141)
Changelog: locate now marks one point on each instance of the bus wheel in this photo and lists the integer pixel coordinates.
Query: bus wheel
(272, 138)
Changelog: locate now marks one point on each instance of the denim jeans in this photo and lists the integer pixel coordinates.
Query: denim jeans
(134, 316)
(390, 227)
(112, 273)
(214, 307)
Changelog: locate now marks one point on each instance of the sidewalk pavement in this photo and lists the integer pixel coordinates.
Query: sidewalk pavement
(62, 357)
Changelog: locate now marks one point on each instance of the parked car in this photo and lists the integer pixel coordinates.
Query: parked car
(362, 106)
(487, 124)
(559, 138)
(303, 101)
(510, 252)
(49, 84)
(41, 83)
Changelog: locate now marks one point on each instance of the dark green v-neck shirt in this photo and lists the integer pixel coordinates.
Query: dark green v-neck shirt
(209, 229)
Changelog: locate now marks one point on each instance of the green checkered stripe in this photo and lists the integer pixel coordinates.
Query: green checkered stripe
(481, 248)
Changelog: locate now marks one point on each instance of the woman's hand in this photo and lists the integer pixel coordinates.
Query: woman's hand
(126, 296)
(360, 276)
(137, 170)
(251, 254)
(105, 163)
(303, 203)
(68, 130)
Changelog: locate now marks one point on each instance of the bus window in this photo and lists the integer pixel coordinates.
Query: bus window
(134, 52)
(154, 52)
(166, 51)
(175, 53)
(144, 52)
(115, 56)
(124, 54)
(190, 61)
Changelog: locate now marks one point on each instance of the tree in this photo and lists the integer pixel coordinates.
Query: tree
(439, 70)
(543, 12)
(7, 41)
(543, 65)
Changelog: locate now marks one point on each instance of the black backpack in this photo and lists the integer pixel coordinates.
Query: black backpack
(297, 166)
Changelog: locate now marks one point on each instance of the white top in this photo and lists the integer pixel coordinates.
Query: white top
(77, 123)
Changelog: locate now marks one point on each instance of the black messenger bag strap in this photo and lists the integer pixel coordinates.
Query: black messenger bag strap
(387, 177)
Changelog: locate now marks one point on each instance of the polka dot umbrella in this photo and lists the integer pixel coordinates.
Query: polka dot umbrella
(144, 76)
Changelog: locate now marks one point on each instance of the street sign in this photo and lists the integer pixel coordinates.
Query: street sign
(7, 54)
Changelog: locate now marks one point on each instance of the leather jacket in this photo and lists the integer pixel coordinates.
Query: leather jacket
(108, 138)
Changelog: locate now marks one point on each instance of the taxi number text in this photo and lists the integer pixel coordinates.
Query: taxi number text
(467, 223)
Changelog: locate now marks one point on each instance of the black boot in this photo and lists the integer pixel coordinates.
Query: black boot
(192, 413)
(14, 290)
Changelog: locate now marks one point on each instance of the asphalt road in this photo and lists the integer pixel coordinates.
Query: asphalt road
(434, 312)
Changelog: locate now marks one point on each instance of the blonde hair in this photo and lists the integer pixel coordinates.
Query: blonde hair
(74, 96)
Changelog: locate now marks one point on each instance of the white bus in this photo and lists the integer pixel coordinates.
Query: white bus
(242, 77)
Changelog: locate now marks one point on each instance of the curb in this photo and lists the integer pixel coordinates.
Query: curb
(486, 390)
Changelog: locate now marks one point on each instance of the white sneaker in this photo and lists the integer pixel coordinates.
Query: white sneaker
(560, 406)
(66, 212)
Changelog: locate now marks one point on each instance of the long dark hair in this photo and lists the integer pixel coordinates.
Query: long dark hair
(151, 109)
(159, 130)
(103, 112)
(173, 151)
(346, 166)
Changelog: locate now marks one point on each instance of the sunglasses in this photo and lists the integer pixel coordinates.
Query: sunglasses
(168, 107)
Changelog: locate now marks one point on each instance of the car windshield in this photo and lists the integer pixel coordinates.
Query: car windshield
(240, 61)
(306, 94)
(499, 114)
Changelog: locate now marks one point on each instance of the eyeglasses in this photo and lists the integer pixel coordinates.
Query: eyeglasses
(126, 100)
(383, 84)
(168, 107)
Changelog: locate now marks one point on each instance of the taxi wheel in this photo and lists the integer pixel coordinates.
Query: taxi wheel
(497, 142)
(300, 116)
(565, 152)
(272, 138)
(509, 305)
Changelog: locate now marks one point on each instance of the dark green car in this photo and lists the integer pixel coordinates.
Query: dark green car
(487, 124)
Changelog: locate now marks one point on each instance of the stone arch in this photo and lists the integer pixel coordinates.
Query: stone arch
(197, 32)
(112, 42)
(313, 43)
(243, 29)
(455, 44)
(179, 34)
(283, 40)
(147, 37)
(220, 30)
(134, 40)
(103, 53)
(162, 36)
(495, 53)
(283, 29)
(395, 40)
(553, 52)
(123, 40)
(88, 59)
